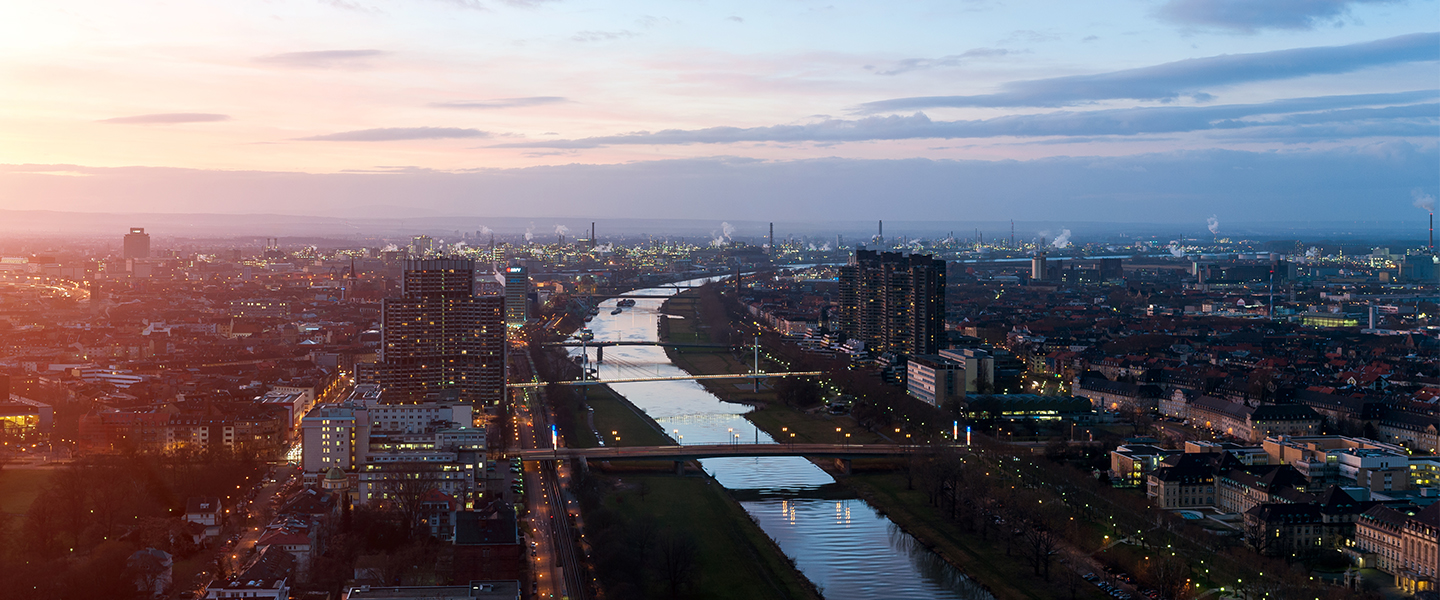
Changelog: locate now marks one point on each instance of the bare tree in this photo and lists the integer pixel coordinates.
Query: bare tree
(678, 558)
(406, 485)
(1043, 545)
(1170, 576)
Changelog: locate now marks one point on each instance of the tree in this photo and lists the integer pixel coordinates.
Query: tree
(799, 392)
(1170, 576)
(678, 557)
(406, 486)
(1043, 545)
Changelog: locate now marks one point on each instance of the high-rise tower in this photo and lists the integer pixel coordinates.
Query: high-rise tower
(893, 302)
(517, 292)
(137, 243)
(439, 337)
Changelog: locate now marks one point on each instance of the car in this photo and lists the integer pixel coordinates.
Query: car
(1089, 577)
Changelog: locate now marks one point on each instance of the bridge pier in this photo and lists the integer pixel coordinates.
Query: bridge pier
(844, 465)
(584, 465)
(679, 467)
(599, 355)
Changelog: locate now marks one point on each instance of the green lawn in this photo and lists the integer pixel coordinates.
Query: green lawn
(20, 487)
(735, 558)
(614, 416)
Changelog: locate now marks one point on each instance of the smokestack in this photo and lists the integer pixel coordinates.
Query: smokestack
(1432, 233)
(593, 241)
(772, 239)
(881, 241)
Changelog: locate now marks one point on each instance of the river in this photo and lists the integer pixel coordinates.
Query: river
(844, 546)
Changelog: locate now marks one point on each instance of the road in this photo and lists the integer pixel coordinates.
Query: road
(252, 522)
(559, 572)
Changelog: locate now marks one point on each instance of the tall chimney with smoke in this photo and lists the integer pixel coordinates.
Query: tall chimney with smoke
(1432, 233)
(772, 239)
(593, 241)
(880, 240)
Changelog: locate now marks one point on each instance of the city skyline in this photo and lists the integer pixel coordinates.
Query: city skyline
(1168, 111)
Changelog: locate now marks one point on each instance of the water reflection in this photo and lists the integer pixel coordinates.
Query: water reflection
(843, 545)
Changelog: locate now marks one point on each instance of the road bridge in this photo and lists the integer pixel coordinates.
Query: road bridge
(540, 384)
(842, 453)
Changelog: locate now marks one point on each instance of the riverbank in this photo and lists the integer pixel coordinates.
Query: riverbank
(878, 482)
(733, 557)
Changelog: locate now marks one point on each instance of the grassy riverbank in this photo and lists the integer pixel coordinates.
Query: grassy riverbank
(732, 556)
(882, 483)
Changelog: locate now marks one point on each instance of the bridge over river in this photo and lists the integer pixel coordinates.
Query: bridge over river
(842, 453)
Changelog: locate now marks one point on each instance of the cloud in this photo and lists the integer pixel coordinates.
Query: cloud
(1173, 187)
(735, 19)
(1111, 122)
(322, 59)
(1250, 15)
(1170, 81)
(390, 134)
(167, 119)
(952, 60)
(476, 5)
(502, 103)
(1030, 36)
(602, 36)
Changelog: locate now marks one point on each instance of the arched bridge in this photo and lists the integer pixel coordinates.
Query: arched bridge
(842, 453)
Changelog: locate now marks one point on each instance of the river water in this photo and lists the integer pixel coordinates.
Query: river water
(843, 545)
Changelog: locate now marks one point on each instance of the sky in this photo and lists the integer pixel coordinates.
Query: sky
(1127, 110)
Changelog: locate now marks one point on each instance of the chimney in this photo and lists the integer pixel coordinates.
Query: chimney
(772, 239)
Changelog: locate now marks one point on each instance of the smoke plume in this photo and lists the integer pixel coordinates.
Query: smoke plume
(530, 232)
(1062, 240)
(1423, 201)
(1213, 224)
(727, 231)
(390, 248)
(486, 230)
(562, 230)
(1176, 251)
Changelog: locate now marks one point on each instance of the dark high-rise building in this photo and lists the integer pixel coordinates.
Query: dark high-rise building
(517, 296)
(893, 302)
(439, 337)
(137, 243)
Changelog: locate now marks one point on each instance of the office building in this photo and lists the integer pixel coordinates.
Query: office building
(439, 338)
(893, 302)
(137, 244)
(934, 379)
(517, 291)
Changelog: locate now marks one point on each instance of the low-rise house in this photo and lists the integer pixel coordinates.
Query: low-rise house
(205, 512)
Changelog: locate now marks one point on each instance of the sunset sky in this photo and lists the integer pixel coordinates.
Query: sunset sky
(532, 107)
